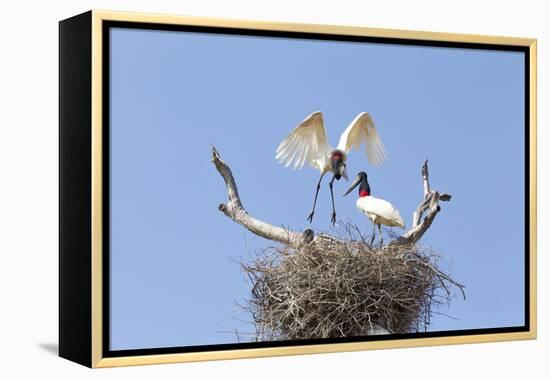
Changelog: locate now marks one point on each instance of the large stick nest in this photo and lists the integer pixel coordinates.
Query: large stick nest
(334, 289)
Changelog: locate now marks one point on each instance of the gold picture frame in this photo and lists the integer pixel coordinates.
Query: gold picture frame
(82, 320)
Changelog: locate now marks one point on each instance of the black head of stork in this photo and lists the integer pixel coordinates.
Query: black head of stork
(338, 165)
(362, 180)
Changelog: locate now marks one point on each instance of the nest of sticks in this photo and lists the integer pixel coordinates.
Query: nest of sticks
(331, 289)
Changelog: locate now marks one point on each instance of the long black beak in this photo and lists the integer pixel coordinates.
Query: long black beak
(344, 172)
(355, 182)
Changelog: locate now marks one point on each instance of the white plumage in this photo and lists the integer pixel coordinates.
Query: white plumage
(379, 211)
(362, 130)
(308, 143)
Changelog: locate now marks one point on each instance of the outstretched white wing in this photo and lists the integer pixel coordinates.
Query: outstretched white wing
(362, 130)
(306, 143)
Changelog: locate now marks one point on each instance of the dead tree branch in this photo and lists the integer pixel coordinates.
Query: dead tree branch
(234, 209)
(430, 204)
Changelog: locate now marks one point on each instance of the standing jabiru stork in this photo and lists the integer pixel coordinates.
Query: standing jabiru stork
(379, 211)
(308, 142)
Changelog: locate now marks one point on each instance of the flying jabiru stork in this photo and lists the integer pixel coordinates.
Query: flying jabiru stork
(308, 142)
(379, 211)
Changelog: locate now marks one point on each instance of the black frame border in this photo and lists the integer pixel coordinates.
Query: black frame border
(75, 197)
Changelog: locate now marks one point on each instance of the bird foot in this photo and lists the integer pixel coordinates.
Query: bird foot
(310, 217)
(333, 219)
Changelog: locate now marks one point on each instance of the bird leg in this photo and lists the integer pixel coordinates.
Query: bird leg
(333, 218)
(381, 236)
(310, 217)
(373, 233)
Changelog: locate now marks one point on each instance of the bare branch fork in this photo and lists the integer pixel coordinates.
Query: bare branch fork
(234, 209)
(429, 204)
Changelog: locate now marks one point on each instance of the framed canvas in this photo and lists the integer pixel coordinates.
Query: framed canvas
(189, 231)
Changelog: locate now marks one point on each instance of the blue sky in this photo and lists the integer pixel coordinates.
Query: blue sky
(173, 94)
